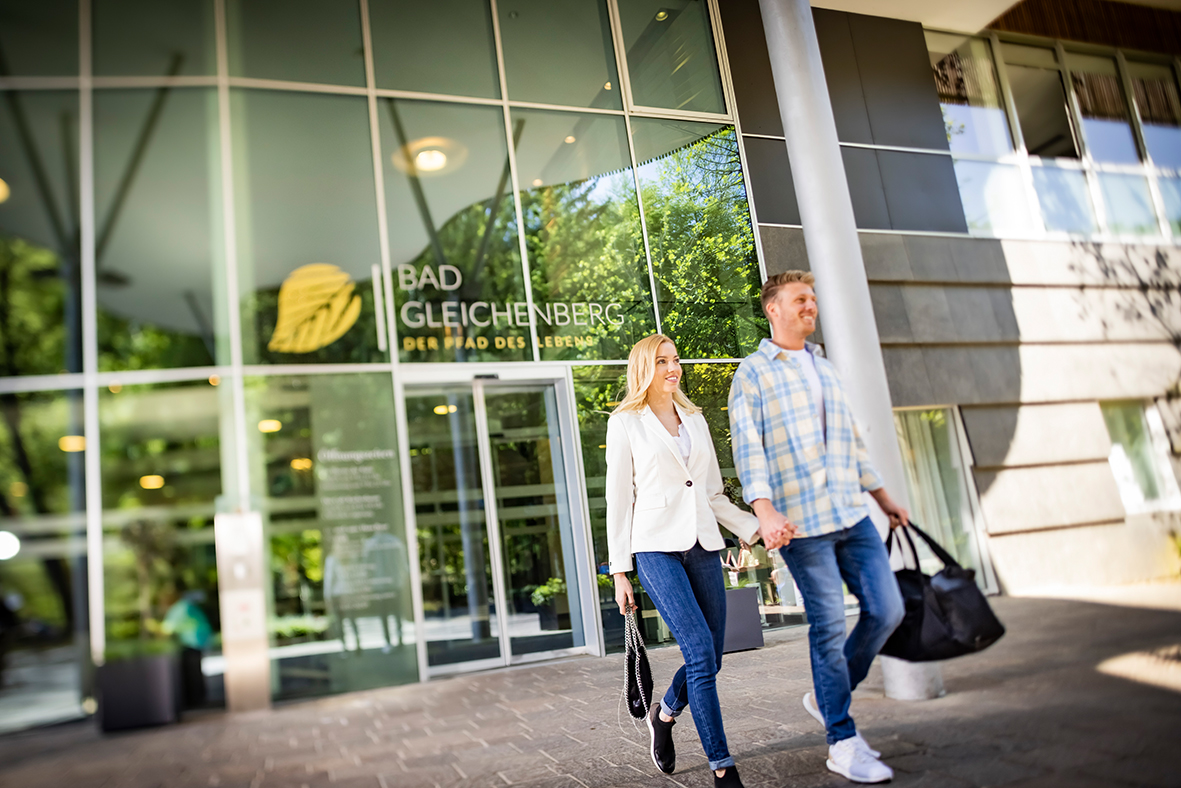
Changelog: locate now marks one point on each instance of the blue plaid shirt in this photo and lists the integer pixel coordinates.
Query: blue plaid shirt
(814, 479)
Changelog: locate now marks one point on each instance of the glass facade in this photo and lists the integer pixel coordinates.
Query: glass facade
(1053, 142)
(247, 250)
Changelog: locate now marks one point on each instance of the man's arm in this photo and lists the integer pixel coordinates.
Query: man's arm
(750, 460)
(871, 482)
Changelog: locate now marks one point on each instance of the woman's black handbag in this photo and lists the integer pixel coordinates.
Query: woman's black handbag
(638, 678)
(946, 615)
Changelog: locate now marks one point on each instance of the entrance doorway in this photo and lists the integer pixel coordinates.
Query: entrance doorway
(503, 555)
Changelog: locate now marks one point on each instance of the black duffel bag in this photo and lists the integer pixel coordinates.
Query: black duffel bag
(946, 615)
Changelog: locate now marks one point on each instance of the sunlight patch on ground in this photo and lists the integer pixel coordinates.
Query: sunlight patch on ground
(1160, 667)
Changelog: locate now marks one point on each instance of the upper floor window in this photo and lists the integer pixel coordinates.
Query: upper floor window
(1155, 89)
(1106, 124)
(1039, 97)
(1140, 457)
(969, 94)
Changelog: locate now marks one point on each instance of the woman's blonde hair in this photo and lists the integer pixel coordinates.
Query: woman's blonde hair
(641, 369)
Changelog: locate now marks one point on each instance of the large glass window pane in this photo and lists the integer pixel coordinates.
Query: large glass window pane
(307, 227)
(559, 52)
(43, 612)
(40, 279)
(440, 47)
(591, 291)
(1040, 99)
(1139, 457)
(150, 38)
(700, 238)
(341, 617)
(296, 40)
(459, 287)
(1105, 113)
(39, 38)
(1128, 204)
(994, 199)
(161, 480)
(456, 567)
(158, 238)
(1065, 200)
(1155, 89)
(969, 94)
(937, 482)
(1170, 189)
(671, 59)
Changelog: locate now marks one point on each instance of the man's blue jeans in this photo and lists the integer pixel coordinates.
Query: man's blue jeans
(691, 596)
(857, 556)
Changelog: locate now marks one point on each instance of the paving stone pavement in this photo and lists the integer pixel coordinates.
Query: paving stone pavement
(1032, 711)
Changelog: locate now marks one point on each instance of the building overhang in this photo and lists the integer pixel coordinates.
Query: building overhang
(961, 16)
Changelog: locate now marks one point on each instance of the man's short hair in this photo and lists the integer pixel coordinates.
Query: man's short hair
(774, 283)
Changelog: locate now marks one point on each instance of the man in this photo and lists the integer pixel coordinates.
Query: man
(799, 455)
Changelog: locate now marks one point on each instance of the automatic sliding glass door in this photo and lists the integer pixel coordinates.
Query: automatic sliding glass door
(496, 533)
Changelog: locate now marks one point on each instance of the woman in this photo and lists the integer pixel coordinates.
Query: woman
(664, 502)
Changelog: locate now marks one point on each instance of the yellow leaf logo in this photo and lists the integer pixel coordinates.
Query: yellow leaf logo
(316, 308)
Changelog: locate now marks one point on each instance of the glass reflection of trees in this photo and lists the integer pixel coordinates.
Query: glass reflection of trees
(700, 237)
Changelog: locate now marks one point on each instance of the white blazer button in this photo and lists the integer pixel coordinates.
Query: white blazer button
(689, 484)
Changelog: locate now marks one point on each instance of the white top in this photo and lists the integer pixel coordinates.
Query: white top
(683, 441)
(808, 365)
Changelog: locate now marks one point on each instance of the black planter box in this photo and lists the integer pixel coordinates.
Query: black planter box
(138, 692)
(744, 628)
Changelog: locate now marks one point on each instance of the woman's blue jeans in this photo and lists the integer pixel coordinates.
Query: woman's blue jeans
(689, 593)
(819, 564)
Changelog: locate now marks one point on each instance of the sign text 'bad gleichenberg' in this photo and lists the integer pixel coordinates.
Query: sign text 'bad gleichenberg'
(456, 314)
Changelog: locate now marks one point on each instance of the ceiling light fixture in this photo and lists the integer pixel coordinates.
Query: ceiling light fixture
(270, 425)
(443, 410)
(538, 181)
(151, 482)
(661, 16)
(301, 464)
(71, 443)
(430, 160)
(606, 86)
(570, 139)
(5, 192)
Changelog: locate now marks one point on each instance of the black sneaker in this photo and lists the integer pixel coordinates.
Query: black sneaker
(729, 779)
(664, 755)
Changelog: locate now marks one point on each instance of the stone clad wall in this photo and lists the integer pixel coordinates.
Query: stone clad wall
(1025, 337)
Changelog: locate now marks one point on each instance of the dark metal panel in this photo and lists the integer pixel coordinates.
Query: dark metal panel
(750, 65)
(865, 188)
(770, 181)
(896, 82)
(841, 73)
(921, 192)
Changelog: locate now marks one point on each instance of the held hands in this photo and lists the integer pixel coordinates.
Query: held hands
(624, 596)
(775, 529)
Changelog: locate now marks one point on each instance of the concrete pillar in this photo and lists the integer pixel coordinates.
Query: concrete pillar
(834, 251)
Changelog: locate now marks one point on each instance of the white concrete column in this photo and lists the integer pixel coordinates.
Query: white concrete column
(834, 251)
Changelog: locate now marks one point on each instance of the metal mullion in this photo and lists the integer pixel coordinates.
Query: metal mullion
(631, 151)
(491, 519)
(92, 461)
(899, 149)
(27, 383)
(723, 58)
(514, 179)
(301, 87)
(1075, 116)
(564, 108)
(40, 83)
(681, 114)
(139, 377)
(107, 83)
(620, 47)
(413, 95)
(234, 311)
(1002, 75)
(401, 426)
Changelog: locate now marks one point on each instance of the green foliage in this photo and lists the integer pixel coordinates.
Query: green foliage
(138, 649)
(544, 594)
(291, 627)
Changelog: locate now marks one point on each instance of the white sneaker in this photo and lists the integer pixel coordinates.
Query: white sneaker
(850, 760)
(811, 707)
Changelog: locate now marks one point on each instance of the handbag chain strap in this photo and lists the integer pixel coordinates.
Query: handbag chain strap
(633, 642)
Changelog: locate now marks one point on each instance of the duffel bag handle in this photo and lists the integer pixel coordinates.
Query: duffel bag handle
(936, 548)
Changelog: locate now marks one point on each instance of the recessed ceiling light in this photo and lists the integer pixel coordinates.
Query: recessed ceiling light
(606, 86)
(301, 464)
(430, 160)
(71, 443)
(151, 482)
(270, 425)
(537, 181)
(661, 16)
(570, 139)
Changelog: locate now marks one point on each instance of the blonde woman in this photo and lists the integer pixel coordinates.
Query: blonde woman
(664, 503)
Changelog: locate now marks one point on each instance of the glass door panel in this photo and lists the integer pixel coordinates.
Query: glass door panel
(460, 616)
(533, 515)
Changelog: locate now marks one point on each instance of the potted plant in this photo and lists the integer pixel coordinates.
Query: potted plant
(551, 602)
(139, 684)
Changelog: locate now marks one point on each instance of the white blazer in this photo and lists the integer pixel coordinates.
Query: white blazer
(658, 502)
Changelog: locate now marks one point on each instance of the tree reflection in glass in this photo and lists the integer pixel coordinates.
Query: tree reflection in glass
(700, 237)
(591, 291)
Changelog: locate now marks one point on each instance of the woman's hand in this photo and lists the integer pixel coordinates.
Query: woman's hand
(624, 596)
